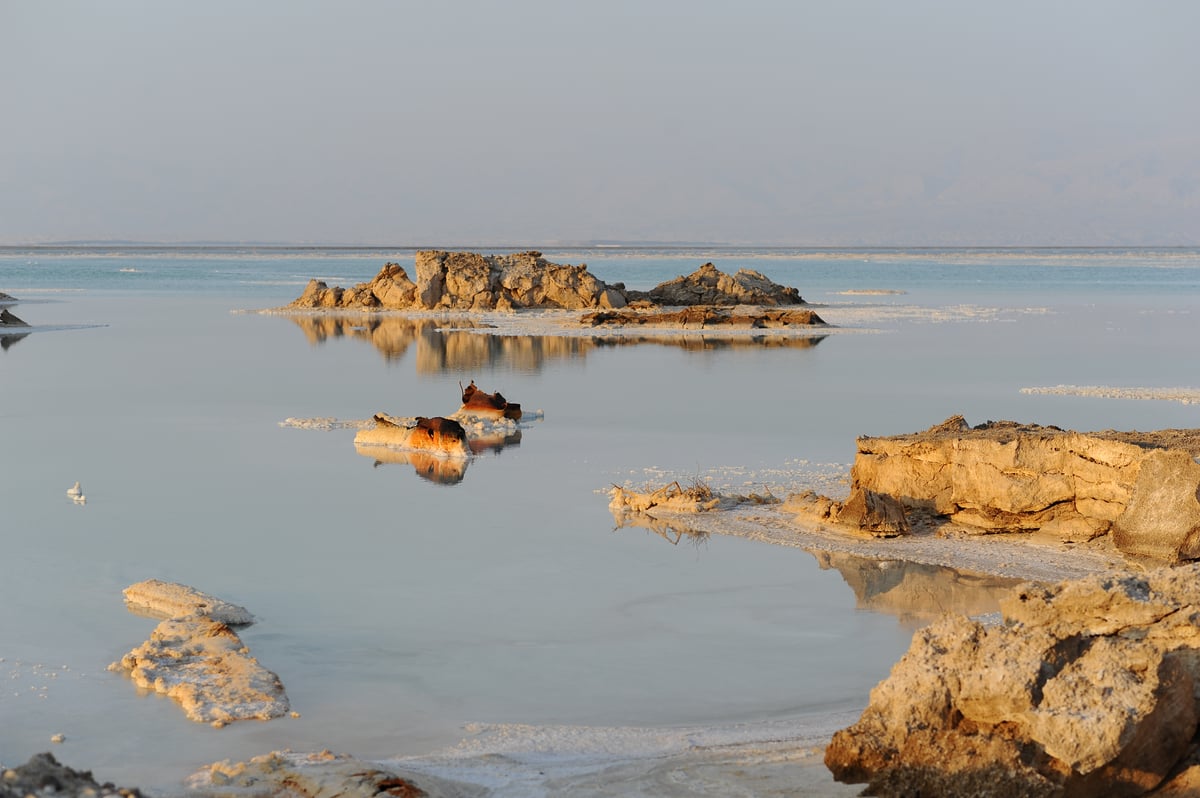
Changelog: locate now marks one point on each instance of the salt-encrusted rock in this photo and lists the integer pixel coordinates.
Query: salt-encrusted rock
(316, 775)
(203, 665)
(710, 286)
(439, 436)
(1070, 486)
(1086, 688)
(157, 599)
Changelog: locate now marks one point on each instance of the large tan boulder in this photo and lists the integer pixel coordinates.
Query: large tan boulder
(1086, 688)
(1162, 521)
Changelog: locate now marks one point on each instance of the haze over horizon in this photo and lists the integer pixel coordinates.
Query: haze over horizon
(925, 123)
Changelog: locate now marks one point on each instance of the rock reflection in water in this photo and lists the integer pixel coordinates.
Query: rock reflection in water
(671, 531)
(443, 470)
(440, 348)
(914, 592)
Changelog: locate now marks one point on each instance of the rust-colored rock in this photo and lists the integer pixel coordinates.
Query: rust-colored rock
(488, 405)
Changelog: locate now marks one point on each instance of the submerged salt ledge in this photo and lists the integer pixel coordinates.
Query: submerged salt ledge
(1187, 396)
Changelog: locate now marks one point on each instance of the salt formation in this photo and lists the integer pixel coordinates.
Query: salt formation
(196, 659)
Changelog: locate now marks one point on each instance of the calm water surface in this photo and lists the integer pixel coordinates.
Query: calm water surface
(397, 609)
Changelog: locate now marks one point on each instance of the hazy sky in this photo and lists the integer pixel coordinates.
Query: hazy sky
(523, 123)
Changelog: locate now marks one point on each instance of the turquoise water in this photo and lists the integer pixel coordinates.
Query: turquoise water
(397, 609)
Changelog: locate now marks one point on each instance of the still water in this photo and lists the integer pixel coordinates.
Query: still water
(397, 609)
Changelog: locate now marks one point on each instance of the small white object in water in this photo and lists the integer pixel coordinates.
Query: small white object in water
(80, 499)
(58, 738)
(74, 490)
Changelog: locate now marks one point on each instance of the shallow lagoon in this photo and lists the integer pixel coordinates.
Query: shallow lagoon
(398, 610)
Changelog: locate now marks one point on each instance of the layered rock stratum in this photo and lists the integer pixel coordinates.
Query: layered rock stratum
(1143, 488)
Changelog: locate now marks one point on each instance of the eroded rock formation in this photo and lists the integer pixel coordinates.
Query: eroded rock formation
(467, 281)
(1087, 687)
(1008, 477)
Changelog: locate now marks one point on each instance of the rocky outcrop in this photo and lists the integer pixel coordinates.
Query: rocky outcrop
(1069, 486)
(471, 282)
(710, 286)
(1088, 687)
(467, 281)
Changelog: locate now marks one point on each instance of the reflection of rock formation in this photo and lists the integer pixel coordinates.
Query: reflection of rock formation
(444, 470)
(7, 340)
(913, 591)
(391, 335)
(441, 350)
(670, 531)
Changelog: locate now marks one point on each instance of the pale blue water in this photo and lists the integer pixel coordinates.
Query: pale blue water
(395, 609)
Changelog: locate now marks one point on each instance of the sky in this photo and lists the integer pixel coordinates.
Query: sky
(790, 123)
